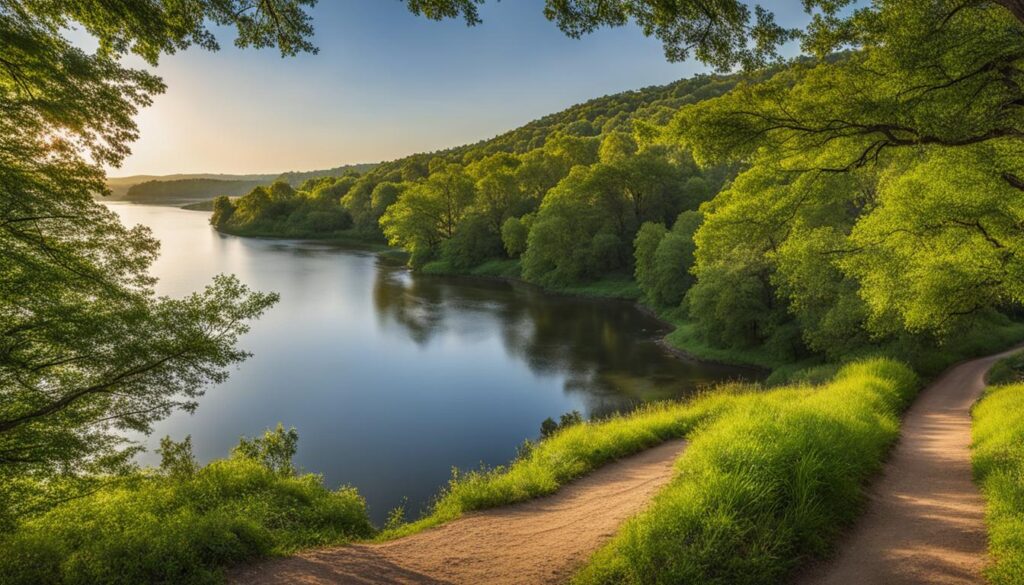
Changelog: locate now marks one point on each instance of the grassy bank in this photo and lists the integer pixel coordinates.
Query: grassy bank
(998, 459)
(771, 483)
(342, 237)
(182, 527)
(572, 452)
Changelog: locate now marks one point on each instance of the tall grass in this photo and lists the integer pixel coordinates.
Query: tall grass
(770, 483)
(180, 530)
(572, 452)
(998, 459)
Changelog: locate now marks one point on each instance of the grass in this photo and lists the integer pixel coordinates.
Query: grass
(180, 530)
(341, 237)
(998, 460)
(570, 453)
(768, 485)
(1009, 370)
(685, 338)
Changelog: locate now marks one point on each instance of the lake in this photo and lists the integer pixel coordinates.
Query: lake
(393, 378)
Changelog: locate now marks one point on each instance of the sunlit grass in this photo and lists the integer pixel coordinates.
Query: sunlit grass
(572, 452)
(769, 484)
(998, 458)
(158, 529)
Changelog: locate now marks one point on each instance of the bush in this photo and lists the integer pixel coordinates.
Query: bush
(1009, 370)
(767, 485)
(180, 526)
(998, 458)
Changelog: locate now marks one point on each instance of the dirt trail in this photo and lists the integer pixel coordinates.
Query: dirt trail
(924, 521)
(541, 541)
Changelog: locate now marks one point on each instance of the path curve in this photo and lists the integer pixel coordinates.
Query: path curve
(540, 541)
(925, 519)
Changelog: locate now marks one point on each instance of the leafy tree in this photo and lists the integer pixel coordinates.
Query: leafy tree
(645, 246)
(664, 259)
(87, 351)
(429, 212)
(514, 234)
(880, 183)
(274, 449)
(617, 146)
(223, 209)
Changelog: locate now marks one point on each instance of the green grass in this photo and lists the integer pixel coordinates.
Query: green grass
(572, 452)
(506, 269)
(998, 459)
(161, 529)
(1009, 370)
(685, 338)
(768, 485)
(342, 237)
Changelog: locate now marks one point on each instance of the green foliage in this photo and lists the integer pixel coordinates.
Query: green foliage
(549, 426)
(664, 259)
(88, 351)
(778, 476)
(274, 449)
(1009, 370)
(183, 526)
(280, 210)
(514, 233)
(880, 186)
(998, 460)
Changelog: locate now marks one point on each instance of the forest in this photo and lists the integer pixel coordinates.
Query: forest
(849, 217)
(814, 231)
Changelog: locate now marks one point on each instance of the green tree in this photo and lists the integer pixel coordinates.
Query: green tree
(428, 213)
(87, 350)
(644, 247)
(514, 234)
(223, 209)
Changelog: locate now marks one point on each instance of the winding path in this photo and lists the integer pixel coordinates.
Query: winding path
(924, 521)
(540, 541)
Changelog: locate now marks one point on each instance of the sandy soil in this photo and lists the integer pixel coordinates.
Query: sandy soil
(924, 521)
(540, 541)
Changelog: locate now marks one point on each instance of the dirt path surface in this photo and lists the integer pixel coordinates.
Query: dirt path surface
(924, 522)
(541, 541)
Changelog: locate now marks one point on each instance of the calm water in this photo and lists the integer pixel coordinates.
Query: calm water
(392, 378)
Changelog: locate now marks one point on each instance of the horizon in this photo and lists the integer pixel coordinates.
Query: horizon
(513, 68)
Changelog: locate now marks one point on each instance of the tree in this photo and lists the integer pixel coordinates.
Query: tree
(862, 149)
(664, 259)
(429, 212)
(644, 247)
(223, 209)
(87, 351)
(514, 234)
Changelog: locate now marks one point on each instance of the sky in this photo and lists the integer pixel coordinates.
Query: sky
(385, 84)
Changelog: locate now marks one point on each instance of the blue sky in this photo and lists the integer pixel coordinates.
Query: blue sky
(385, 84)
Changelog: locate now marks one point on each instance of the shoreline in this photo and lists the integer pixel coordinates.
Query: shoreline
(385, 251)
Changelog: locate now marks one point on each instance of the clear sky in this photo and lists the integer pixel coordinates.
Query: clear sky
(385, 84)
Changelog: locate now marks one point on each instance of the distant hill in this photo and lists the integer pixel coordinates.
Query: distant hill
(186, 188)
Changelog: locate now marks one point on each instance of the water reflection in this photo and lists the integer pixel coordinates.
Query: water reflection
(393, 378)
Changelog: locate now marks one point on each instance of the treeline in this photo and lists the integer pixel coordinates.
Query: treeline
(769, 233)
(588, 168)
(187, 189)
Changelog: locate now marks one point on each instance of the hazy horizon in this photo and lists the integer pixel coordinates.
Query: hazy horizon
(386, 84)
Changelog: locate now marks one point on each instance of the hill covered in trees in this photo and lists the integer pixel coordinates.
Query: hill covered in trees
(750, 239)
(186, 188)
(468, 204)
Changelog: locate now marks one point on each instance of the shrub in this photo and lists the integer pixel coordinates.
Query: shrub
(181, 525)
